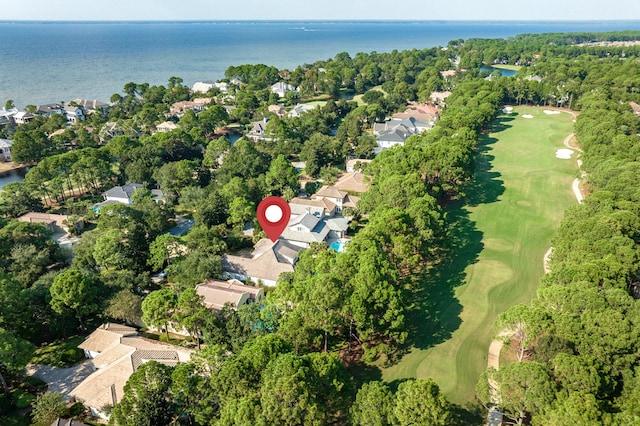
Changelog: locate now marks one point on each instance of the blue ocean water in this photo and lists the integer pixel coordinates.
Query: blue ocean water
(42, 62)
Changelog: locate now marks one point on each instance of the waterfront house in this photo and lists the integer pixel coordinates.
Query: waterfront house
(23, 117)
(6, 116)
(91, 106)
(5, 149)
(73, 113)
(202, 86)
(47, 110)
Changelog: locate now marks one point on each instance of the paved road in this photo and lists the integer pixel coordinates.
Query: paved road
(62, 380)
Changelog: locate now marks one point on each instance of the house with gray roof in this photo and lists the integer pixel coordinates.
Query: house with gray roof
(48, 110)
(258, 130)
(121, 194)
(300, 109)
(397, 130)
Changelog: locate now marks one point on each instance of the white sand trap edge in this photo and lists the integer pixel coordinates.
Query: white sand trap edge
(547, 111)
(507, 110)
(564, 153)
(527, 116)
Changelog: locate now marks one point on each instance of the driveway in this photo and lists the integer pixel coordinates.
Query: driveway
(62, 380)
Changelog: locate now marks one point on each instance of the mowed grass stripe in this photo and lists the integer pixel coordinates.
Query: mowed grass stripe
(522, 190)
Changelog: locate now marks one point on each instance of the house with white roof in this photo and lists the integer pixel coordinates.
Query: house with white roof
(6, 115)
(281, 88)
(23, 117)
(300, 109)
(73, 113)
(202, 86)
(121, 194)
(5, 149)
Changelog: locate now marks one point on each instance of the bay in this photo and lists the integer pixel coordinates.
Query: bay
(43, 62)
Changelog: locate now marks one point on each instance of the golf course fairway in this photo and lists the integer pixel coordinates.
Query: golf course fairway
(502, 229)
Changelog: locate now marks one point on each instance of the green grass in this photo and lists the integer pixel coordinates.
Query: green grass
(506, 67)
(61, 353)
(358, 98)
(501, 233)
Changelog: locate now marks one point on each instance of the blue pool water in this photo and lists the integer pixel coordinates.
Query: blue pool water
(338, 246)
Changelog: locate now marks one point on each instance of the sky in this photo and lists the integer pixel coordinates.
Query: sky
(144, 10)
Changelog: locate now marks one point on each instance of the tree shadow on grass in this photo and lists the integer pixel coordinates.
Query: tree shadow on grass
(435, 313)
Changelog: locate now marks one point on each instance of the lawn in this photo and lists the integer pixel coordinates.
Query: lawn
(61, 353)
(506, 67)
(502, 230)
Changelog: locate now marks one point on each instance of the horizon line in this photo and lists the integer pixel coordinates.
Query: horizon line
(549, 20)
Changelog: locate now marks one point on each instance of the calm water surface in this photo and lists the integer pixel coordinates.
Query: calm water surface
(54, 62)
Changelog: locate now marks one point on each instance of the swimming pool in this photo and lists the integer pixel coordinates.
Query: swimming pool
(339, 245)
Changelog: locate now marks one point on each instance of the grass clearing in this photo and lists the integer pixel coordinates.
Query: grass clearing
(501, 233)
(61, 353)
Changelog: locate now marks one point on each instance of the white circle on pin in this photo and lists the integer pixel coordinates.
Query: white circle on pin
(273, 213)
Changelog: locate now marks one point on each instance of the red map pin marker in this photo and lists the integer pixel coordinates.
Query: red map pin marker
(273, 216)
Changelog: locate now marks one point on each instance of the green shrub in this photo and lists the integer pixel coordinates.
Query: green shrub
(5, 403)
(22, 399)
(71, 355)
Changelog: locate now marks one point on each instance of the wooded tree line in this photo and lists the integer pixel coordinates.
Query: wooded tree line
(578, 341)
(283, 353)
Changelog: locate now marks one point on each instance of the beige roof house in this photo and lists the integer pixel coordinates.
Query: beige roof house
(356, 164)
(166, 126)
(51, 221)
(216, 294)
(116, 351)
(267, 261)
(315, 206)
(104, 336)
(352, 182)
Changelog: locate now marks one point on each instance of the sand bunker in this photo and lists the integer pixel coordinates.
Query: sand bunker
(507, 110)
(564, 153)
(527, 116)
(546, 111)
